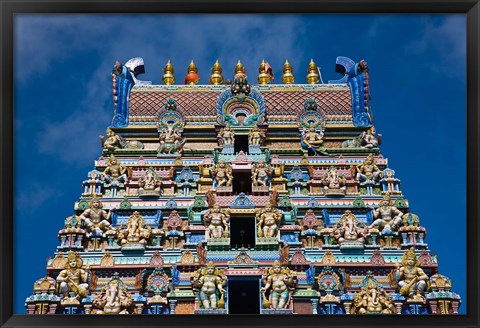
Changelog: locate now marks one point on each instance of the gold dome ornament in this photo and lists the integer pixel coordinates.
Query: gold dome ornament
(168, 77)
(265, 73)
(287, 77)
(216, 78)
(312, 76)
(192, 77)
(239, 70)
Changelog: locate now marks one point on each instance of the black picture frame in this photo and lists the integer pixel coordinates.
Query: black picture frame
(8, 8)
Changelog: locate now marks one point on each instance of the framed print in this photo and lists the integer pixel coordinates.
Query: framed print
(273, 164)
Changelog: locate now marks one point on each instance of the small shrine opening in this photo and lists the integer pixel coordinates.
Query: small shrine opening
(242, 182)
(243, 295)
(242, 232)
(241, 143)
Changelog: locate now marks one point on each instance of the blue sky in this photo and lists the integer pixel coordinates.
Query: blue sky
(63, 102)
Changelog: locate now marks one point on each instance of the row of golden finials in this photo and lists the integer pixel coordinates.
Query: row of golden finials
(265, 75)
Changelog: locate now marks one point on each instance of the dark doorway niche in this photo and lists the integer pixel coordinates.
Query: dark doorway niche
(242, 232)
(242, 182)
(241, 143)
(243, 295)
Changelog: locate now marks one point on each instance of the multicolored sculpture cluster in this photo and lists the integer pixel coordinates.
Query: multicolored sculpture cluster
(276, 193)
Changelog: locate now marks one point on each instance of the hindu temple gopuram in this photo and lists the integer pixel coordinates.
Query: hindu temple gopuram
(242, 196)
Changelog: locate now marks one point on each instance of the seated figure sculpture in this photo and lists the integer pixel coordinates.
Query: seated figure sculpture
(96, 219)
(282, 282)
(312, 138)
(268, 221)
(369, 171)
(114, 298)
(136, 230)
(349, 230)
(171, 140)
(73, 279)
(369, 138)
(261, 174)
(412, 280)
(112, 142)
(115, 174)
(372, 299)
(387, 216)
(217, 222)
(222, 174)
(334, 182)
(209, 281)
(149, 183)
(255, 136)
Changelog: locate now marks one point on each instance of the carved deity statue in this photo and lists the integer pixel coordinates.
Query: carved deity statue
(210, 282)
(112, 142)
(114, 298)
(115, 172)
(412, 280)
(226, 136)
(333, 180)
(368, 171)
(282, 282)
(222, 174)
(268, 221)
(256, 136)
(73, 279)
(136, 230)
(96, 218)
(369, 139)
(386, 215)
(150, 181)
(372, 299)
(261, 174)
(312, 138)
(349, 229)
(217, 222)
(171, 140)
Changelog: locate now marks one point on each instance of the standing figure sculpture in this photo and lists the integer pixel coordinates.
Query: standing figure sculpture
(412, 280)
(386, 215)
(350, 230)
(73, 279)
(226, 136)
(222, 174)
(372, 299)
(96, 219)
(112, 142)
(171, 140)
(217, 222)
(256, 136)
(268, 221)
(136, 230)
(261, 174)
(282, 282)
(368, 170)
(114, 298)
(210, 282)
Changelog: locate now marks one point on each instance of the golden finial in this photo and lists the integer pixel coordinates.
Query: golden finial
(312, 77)
(192, 77)
(239, 70)
(265, 73)
(216, 78)
(288, 77)
(168, 77)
